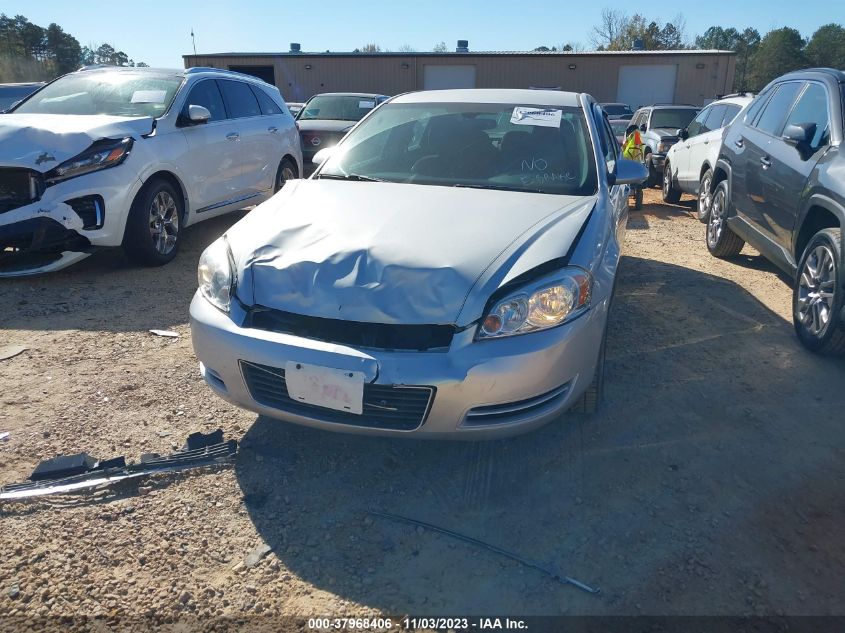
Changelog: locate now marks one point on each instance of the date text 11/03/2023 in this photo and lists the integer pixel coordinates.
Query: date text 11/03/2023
(413, 624)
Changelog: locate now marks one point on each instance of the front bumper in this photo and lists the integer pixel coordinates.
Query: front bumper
(481, 390)
(115, 188)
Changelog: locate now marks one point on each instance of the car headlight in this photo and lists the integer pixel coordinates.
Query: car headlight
(102, 154)
(546, 303)
(216, 276)
(664, 146)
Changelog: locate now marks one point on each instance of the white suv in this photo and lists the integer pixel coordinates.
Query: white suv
(689, 163)
(130, 156)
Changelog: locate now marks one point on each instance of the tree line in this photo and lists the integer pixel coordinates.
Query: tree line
(29, 52)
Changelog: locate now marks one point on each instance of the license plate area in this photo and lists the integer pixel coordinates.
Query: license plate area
(338, 389)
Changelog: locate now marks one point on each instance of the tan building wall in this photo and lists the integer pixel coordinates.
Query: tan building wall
(701, 75)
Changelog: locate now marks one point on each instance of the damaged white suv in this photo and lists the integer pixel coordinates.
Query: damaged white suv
(129, 156)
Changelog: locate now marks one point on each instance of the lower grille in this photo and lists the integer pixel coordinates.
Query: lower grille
(389, 407)
(19, 187)
(373, 335)
(36, 242)
(513, 411)
(90, 209)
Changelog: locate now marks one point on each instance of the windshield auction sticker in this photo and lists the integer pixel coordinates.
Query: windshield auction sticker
(525, 115)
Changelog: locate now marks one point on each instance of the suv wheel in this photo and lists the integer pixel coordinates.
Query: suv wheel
(670, 194)
(705, 196)
(653, 178)
(721, 241)
(151, 237)
(817, 296)
(287, 171)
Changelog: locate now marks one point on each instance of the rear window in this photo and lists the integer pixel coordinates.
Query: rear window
(337, 108)
(239, 99)
(268, 106)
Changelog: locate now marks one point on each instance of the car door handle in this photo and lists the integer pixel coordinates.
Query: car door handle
(233, 136)
(765, 162)
(739, 142)
(272, 129)
(707, 142)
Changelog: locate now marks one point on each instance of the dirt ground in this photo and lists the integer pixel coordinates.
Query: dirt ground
(711, 482)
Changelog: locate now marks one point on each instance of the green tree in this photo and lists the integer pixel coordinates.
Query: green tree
(779, 52)
(744, 44)
(63, 49)
(826, 47)
(439, 47)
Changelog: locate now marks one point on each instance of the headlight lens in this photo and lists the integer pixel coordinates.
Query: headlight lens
(664, 146)
(546, 303)
(101, 155)
(215, 274)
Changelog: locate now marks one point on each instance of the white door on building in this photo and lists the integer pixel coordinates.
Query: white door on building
(643, 85)
(445, 77)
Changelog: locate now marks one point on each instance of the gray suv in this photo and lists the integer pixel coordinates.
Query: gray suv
(659, 125)
(779, 186)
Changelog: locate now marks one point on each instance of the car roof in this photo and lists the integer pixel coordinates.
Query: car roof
(349, 94)
(492, 95)
(735, 99)
(810, 73)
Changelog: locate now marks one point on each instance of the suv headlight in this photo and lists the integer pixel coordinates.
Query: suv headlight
(102, 154)
(546, 303)
(216, 276)
(663, 146)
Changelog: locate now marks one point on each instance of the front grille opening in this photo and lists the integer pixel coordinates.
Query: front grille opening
(372, 335)
(514, 411)
(35, 243)
(388, 407)
(91, 209)
(19, 187)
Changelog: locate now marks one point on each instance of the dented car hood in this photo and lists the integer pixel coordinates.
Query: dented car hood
(395, 253)
(42, 141)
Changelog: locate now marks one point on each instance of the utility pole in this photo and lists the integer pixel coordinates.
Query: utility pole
(193, 41)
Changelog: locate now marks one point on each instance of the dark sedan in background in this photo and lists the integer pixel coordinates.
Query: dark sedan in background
(10, 94)
(325, 118)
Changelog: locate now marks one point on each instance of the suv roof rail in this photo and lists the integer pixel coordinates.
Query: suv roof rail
(206, 69)
(736, 94)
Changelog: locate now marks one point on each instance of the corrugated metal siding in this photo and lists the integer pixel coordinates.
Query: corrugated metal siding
(595, 74)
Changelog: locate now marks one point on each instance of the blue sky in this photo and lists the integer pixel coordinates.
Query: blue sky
(158, 32)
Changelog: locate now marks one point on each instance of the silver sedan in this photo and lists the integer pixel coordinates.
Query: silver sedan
(446, 272)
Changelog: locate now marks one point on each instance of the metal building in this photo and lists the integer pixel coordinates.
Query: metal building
(632, 77)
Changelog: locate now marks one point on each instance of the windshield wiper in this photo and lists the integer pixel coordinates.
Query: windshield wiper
(500, 188)
(357, 177)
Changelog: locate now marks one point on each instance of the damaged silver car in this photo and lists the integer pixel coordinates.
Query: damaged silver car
(447, 272)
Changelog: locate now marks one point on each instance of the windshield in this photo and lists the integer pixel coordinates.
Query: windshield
(513, 147)
(616, 108)
(337, 108)
(672, 119)
(113, 93)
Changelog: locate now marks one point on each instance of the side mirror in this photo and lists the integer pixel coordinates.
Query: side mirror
(322, 156)
(198, 114)
(682, 134)
(643, 128)
(799, 134)
(628, 172)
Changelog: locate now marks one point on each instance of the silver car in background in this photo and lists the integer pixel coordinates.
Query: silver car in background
(447, 272)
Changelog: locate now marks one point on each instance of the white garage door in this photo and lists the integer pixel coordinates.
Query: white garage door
(444, 77)
(647, 84)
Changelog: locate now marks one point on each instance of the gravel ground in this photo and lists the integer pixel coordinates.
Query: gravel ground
(711, 482)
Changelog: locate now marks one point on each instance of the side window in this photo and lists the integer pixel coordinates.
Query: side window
(773, 115)
(731, 111)
(239, 99)
(609, 144)
(206, 94)
(714, 119)
(696, 125)
(812, 108)
(268, 106)
(755, 107)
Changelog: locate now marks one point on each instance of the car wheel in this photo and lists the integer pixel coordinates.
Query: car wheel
(590, 400)
(638, 198)
(653, 177)
(817, 297)
(670, 194)
(151, 237)
(721, 240)
(287, 171)
(705, 196)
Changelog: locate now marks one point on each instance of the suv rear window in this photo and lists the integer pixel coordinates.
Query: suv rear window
(268, 106)
(239, 99)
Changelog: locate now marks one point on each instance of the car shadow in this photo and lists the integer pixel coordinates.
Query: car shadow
(107, 292)
(701, 379)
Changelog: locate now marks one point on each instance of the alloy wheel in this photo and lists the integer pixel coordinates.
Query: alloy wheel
(164, 222)
(716, 223)
(667, 181)
(705, 197)
(816, 289)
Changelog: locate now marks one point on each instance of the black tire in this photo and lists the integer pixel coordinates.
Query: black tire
(287, 171)
(638, 198)
(705, 196)
(671, 194)
(815, 297)
(653, 178)
(151, 236)
(590, 400)
(722, 242)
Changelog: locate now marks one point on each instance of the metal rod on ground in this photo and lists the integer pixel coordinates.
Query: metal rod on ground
(468, 539)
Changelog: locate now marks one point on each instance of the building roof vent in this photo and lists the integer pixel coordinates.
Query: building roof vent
(295, 47)
(463, 46)
(638, 44)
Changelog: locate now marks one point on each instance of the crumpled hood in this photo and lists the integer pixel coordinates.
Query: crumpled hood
(327, 125)
(392, 253)
(30, 140)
